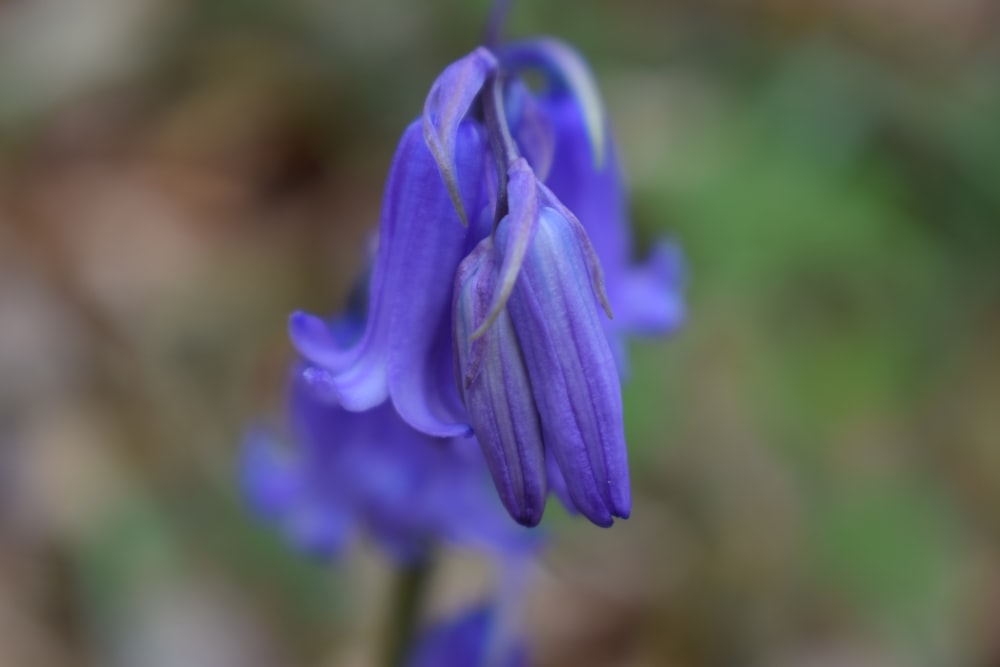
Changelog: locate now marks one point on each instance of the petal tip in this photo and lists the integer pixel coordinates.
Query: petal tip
(301, 323)
(528, 520)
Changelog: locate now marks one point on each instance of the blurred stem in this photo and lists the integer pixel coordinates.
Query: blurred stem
(411, 584)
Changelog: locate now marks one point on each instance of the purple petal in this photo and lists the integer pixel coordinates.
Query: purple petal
(595, 194)
(314, 340)
(497, 392)
(321, 530)
(448, 102)
(572, 370)
(465, 641)
(360, 370)
(557, 483)
(279, 484)
(566, 70)
(647, 298)
(319, 424)
(371, 470)
(405, 351)
(590, 258)
(329, 343)
(431, 245)
(269, 474)
(651, 302)
(483, 522)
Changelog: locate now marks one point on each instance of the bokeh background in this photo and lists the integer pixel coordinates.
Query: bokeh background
(816, 456)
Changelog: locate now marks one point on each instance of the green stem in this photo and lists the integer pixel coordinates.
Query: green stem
(411, 585)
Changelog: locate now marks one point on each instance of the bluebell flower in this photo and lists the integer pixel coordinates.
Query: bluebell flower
(484, 311)
(467, 640)
(347, 472)
(535, 364)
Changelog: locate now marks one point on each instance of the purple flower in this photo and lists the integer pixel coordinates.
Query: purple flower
(465, 640)
(500, 208)
(541, 377)
(351, 471)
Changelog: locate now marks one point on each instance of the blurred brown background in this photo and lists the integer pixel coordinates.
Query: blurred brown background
(816, 456)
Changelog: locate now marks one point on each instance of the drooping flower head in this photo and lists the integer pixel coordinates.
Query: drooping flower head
(489, 311)
(541, 376)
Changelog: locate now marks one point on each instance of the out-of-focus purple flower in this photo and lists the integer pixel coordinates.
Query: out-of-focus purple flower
(350, 471)
(467, 640)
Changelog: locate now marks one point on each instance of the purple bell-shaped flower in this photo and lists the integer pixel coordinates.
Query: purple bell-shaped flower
(535, 364)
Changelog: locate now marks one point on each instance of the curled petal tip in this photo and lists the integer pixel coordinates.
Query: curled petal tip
(447, 104)
(313, 339)
(448, 171)
(302, 324)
